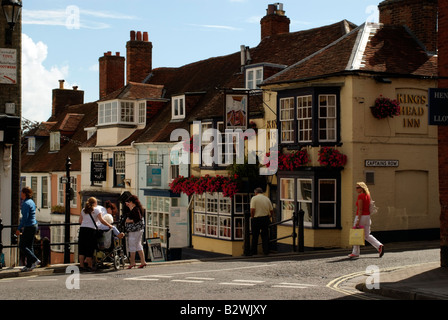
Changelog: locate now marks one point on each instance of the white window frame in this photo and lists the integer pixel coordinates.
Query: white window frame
(32, 144)
(74, 186)
(327, 115)
(287, 119)
(333, 202)
(178, 107)
(305, 202)
(305, 118)
(55, 141)
(254, 76)
(287, 201)
(141, 112)
(121, 112)
(44, 193)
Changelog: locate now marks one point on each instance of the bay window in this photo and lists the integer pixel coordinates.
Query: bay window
(122, 112)
(309, 116)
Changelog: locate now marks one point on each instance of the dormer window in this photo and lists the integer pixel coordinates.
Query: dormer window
(122, 112)
(178, 107)
(254, 76)
(31, 144)
(55, 141)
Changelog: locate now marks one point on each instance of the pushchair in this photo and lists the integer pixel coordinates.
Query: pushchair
(109, 250)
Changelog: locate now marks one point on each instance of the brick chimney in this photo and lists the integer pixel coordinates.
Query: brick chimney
(275, 21)
(420, 16)
(111, 73)
(65, 97)
(138, 57)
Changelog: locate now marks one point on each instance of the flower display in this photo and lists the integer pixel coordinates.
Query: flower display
(330, 157)
(385, 107)
(293, 160)
(198, 185)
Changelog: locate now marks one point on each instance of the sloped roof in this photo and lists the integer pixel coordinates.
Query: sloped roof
(390, 50)
(44, 160)
(135, 90)
(212, 75)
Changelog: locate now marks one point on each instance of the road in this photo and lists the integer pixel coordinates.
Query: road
(308, 276)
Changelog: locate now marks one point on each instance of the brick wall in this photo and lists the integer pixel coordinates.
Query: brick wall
(138, 57)
(275, 22)
(112, 69)
(420, 16)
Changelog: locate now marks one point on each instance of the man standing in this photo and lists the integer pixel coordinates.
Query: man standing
(261, 211)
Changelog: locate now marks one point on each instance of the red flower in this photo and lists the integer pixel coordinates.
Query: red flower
(385, 107)
(330, 157)
(293, 160)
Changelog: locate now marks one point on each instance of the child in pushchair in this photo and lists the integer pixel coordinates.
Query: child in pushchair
(109, 246)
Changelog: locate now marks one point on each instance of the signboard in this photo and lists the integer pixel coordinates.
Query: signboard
(382, 163)
(153, 176)
(8, 66)
(155, 249)
(98, 171)
(178, 227)
(438, 106)
(236, 110)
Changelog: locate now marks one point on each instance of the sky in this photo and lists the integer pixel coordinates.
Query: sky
(63, 39)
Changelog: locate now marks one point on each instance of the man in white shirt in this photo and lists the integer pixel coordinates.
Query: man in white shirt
(261, 211)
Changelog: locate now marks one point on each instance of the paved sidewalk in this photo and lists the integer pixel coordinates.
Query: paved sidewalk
(426, 281)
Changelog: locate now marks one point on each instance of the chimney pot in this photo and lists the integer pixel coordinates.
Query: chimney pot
(61, 84)
(139, 36)
(132, 35)
(145, 36)
(75, 88)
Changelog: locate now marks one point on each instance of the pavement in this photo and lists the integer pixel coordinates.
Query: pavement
(426, 281)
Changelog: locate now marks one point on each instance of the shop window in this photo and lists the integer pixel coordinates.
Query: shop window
(327, 203)
(158, 216)
(119, 168)
(316, 196)
(213, 215)
(305, 199)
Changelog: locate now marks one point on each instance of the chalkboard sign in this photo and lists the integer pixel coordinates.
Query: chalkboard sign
(98, 171)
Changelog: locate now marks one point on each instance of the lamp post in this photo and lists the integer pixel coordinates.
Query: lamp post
(11, 10)
(68, 198)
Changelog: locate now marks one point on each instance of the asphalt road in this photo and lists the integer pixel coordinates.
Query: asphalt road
(255, 282)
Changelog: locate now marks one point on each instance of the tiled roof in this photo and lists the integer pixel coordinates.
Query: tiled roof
(213, 75)
(135, 90)
(44, 160)
(388, 50)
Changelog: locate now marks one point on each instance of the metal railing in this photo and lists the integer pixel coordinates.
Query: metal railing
(46, 245)
(297, 222)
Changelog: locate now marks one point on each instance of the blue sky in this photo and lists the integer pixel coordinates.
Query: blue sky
(63, 39)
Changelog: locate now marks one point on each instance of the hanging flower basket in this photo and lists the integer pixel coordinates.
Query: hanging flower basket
(198, 185)
(293, 160)
(331, 158)
(385, 107)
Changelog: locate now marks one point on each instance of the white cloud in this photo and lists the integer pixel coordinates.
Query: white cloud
(37, 81)
(72, 17)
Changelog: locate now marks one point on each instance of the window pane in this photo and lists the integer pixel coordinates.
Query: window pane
(327, 190)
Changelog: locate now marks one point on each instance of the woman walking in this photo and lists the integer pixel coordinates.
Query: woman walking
(28, 224)
(134, 227)
(363, 219)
